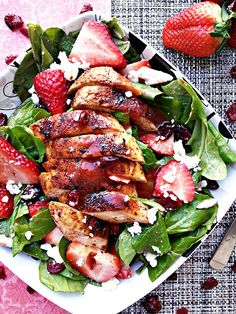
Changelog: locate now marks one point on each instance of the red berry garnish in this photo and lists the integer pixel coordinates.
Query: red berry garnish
(233, 72)
(73, 198)
(182, 310)
(234, 267)
(9, 59)
(152, 305)
(87, 7)
(30, 290)
(14, 22)
(2, 273)
(212, 184)
(231, 112)
(165, 129)
(3, 119)
(169, 204)
(55, 268)
(24, 31)
(182, 133)
(209, 284)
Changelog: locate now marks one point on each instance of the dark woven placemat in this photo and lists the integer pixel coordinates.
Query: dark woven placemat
(211, 76)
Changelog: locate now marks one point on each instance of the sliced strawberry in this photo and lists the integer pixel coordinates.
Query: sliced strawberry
(15, 166)
(145, 189)
(35, 207)
(124, 273)
(51, 87)
(92, 262)
(135, 67)
(174, 179)
(153, 141)
(54, 237)
(6, 203)
(94, 45)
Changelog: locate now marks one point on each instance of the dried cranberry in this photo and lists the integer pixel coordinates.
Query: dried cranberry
(231, 112)
(73, 198)
(165, 129)
(14, 22)
(2, 273)
(55, 268)
(30, 290)
(212, 184)
(170, 204)
(182, 310)
(3, 119)
(172, 277)
(9, 59)
(24, 31)
(87, 7)
(234, 267)
(233, 72)
(182, 133)
(209, 284)
(31, 192)
(114, 229)
(152, 305)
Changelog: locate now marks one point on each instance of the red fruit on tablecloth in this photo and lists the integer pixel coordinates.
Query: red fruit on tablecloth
(209, 284)
(231, 112)
(182, 310)
(6, 203)
(15, 166)
(232, 40)
(13, 21)
(51, 87)
(2, 272)
(94, 44)
(9, 59)
(3, 119)
(234, 267)
(87, 7)
(152, 305)
(190, 30)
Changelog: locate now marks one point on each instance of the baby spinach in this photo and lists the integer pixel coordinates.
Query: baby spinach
(114, 27)
(147, 92)
(34, 250)
(51, 38)
(198, 138)
(122, 117)
(35, 35)
(58, 282)
(149, 156)
(125, 248)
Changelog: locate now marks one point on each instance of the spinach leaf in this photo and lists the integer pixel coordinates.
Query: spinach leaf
(155, 235)
(23, 79)
(164, 160)
(150, 203)
(67, 41)
(51, 38)
(122, 117)
(35, 34)
(149, 156)
(198, 138)
(147, 92)
(114, 27)
(125, 248)
(34, 250)
(23, 139)
(123, 45)
(40, 225)
(47, 59)
(188, 217)
(27, 114)
(132, 56)
(196, 178)
(225, 152)
(163, 263)
(59, 282)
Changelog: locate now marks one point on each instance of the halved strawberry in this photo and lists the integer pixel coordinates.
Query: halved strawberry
(95, 46)
(135, 66)
(124, 273)
(54, 237)
(51, 87)
(35, 207)
(92, 262)
(159, 146)
(174, 179)
(6, 203)
(15, 166)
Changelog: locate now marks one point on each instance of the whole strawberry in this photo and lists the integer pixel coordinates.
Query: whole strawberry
(198, 31)
(6, 203)
(51, 87)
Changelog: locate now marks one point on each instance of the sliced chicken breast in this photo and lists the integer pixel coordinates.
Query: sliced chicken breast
(76, 226)
(92, 146)
(75, 123)
(103, 76)
(106, 98)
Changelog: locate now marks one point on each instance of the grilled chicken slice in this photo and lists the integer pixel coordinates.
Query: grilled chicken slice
(75, 123)
(96, 170)
(55, 183)
(76, 226)
(103, 76)
(114, 207)
(95, 145)
(106, 98)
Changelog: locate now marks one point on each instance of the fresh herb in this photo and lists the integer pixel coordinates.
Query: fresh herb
(34, 250)
(149, 156)
(147, 92)
(150, 203)
(67, 41)
(122, 117)
(125, 248)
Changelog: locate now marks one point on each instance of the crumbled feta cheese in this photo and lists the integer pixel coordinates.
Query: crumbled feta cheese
(90, 227)
(151, 258)
(110, 284)
(5, 241)
(35, 98)
(133, 76)
(156, 249)
(166, 194)
(13, 187)
(151, 214)
(91, 235)
(71, 203)
(170, 176)
(76, 116)
(31, 90)
(172, 121)
(52, 252)
(135, 229)
(68, 102)
(203, 183)
(126, 199)
(207, 203)
(180, 155)
(29, 196)
(5, 199)
(128, 94)
(118, 179)
(162, 138)
(28, 235)
(150, 76)
(70, 149)
(173, 197)
(80, 262)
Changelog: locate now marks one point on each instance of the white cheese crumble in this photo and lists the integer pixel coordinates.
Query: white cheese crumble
(35, 98)
(128, 94)
(52, 252)
(28, 235)
(90, 227)
(5, 199)
(84, 220)
(191, 162)
(5, 241)
(126, 198)
(151, 258)
(70, 149)
(29, 196)
(31, 90)
(156, 249)
(91, 235)
(110, 284)
(118, 179)
(151, 215)
(68, 102)
(207, 203)
(80, 262)
(135, 229)
(12, 187)
(150, 76)
(170, 176)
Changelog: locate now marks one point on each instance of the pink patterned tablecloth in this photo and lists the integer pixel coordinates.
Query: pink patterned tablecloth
(14, 297)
